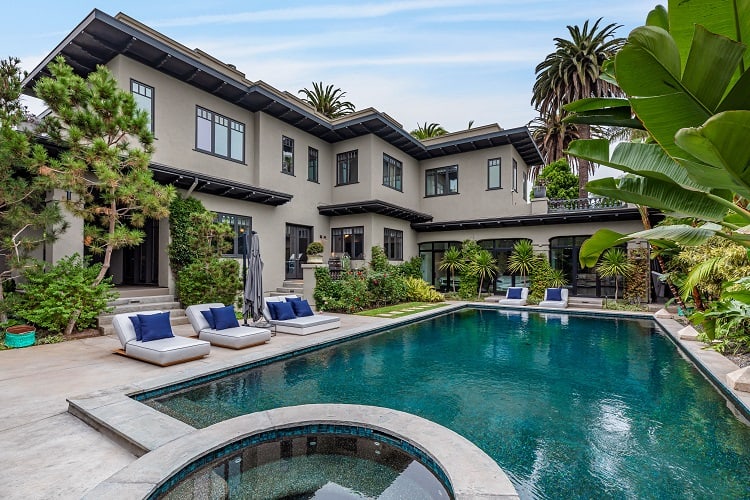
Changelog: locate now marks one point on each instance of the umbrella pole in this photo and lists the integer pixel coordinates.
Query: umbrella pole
(245, 257)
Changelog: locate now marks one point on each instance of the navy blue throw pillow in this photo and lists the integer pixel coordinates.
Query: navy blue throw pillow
(302, 308)
(136, 326)
(283, 310)
(155, 326)
(210, 318)
(514, 293)
(225, 317)
(272, 309)
(554, 294)
(293, 299)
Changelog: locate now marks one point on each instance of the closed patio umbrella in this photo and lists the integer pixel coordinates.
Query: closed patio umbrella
(253, 294)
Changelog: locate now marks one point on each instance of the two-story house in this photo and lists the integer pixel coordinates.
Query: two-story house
(264, 160)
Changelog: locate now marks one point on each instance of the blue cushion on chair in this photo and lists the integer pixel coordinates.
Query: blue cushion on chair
(282, 310)
(514, 293)
(224, 317)
(293, 299)
(137, 327)
(155, 326)
(210, 318)
(302, 308)
(554, 294)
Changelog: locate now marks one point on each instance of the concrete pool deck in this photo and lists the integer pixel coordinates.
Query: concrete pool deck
(48, 453)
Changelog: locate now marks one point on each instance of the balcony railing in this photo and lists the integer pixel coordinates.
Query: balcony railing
(584, 204)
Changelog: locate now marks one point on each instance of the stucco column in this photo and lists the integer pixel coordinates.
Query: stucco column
(539, 206)
(70, 242)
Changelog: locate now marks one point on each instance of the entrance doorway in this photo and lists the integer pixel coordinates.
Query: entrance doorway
(297, 239)
(140, 265)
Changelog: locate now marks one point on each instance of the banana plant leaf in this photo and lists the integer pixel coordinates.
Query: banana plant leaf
(721, 144)
(647, 160)
(680, 233)
(592, 248)
(665, 196)
(607, 111)
(658, 17)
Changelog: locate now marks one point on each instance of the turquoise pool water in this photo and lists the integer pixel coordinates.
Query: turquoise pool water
(569, 406)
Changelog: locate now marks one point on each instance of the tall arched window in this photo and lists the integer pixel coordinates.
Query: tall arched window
(584, 281)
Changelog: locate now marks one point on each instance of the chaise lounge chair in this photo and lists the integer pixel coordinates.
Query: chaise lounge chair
(234, 337)
(515, 296)
(298, 325)
(555, 297)
(166, 349)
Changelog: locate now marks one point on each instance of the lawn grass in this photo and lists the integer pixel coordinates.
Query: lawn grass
(399, 310)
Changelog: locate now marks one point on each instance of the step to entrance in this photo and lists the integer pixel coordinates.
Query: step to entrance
(587, 302)
(148, 302)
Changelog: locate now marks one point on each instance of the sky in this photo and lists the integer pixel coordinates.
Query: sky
(441, 61)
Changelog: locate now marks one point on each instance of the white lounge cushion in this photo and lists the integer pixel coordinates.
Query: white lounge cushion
(560, 304)
(515, 302)
(235, 338)
(303, 325)
(160, 352)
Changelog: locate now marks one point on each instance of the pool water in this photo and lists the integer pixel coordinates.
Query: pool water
(313, 466)
(570, 406)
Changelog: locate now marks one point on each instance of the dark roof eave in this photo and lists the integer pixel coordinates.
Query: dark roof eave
(376, 207)
(621, 214)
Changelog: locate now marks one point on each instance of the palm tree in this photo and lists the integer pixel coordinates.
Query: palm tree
(483, 265)
(615, 263)
(453, 262)
(428, 131)
(522, 259)
(573, 72)
(327, 101)
(552, 136)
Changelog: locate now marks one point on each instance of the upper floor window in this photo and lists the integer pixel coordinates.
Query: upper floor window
(441, 181)
(240, 227)
(346, 168)
(392, 172)
(348, 241)
(393, 243)
(219, 135)
(493, 173)
(287, 155)
(514, 180)
(525, 187)
(144, 99)
(312, 164)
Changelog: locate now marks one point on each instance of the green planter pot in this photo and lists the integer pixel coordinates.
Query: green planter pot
(20, 336)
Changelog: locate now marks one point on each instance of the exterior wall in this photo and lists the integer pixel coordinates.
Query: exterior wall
(175, 119)
(474, 200)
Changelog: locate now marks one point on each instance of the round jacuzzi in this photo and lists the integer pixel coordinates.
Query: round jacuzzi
(334, 451)
(337, 462)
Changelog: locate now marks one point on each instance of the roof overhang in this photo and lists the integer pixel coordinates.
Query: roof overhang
(374, 207)
(582, 217)
(100, 37)
(200, 183)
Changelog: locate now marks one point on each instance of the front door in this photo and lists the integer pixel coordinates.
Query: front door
(140, 264)
(297, 239)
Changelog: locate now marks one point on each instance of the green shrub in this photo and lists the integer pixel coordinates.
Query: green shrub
(379, 261)
(385, 288)
(181, 253)
(542, 277)
(52, 294)
(418, 290)
(411, 268)
(217, 280)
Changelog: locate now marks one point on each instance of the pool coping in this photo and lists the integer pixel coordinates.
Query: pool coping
(141, 429)
(471, 472)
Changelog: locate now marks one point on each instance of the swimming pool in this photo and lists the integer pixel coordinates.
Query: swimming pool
(569, 406)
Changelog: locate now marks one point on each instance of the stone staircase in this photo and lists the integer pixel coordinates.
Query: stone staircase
(288, 287)
(142, 300)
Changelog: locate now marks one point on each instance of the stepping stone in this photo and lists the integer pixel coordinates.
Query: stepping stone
(386, 315)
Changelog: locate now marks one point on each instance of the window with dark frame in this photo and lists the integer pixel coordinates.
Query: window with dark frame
(218, 135)
(312, 164)
(346, 168)
(240, 225)
(144, 99)
(493, 173)
(393, 243)
(441, 181)
(525, 187)
(515, 175)
(349, 241)
(287, 155)
(392, 173)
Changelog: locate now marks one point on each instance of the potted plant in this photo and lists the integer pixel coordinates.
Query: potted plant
(20, 336)
(540, 189)
(314, 253)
